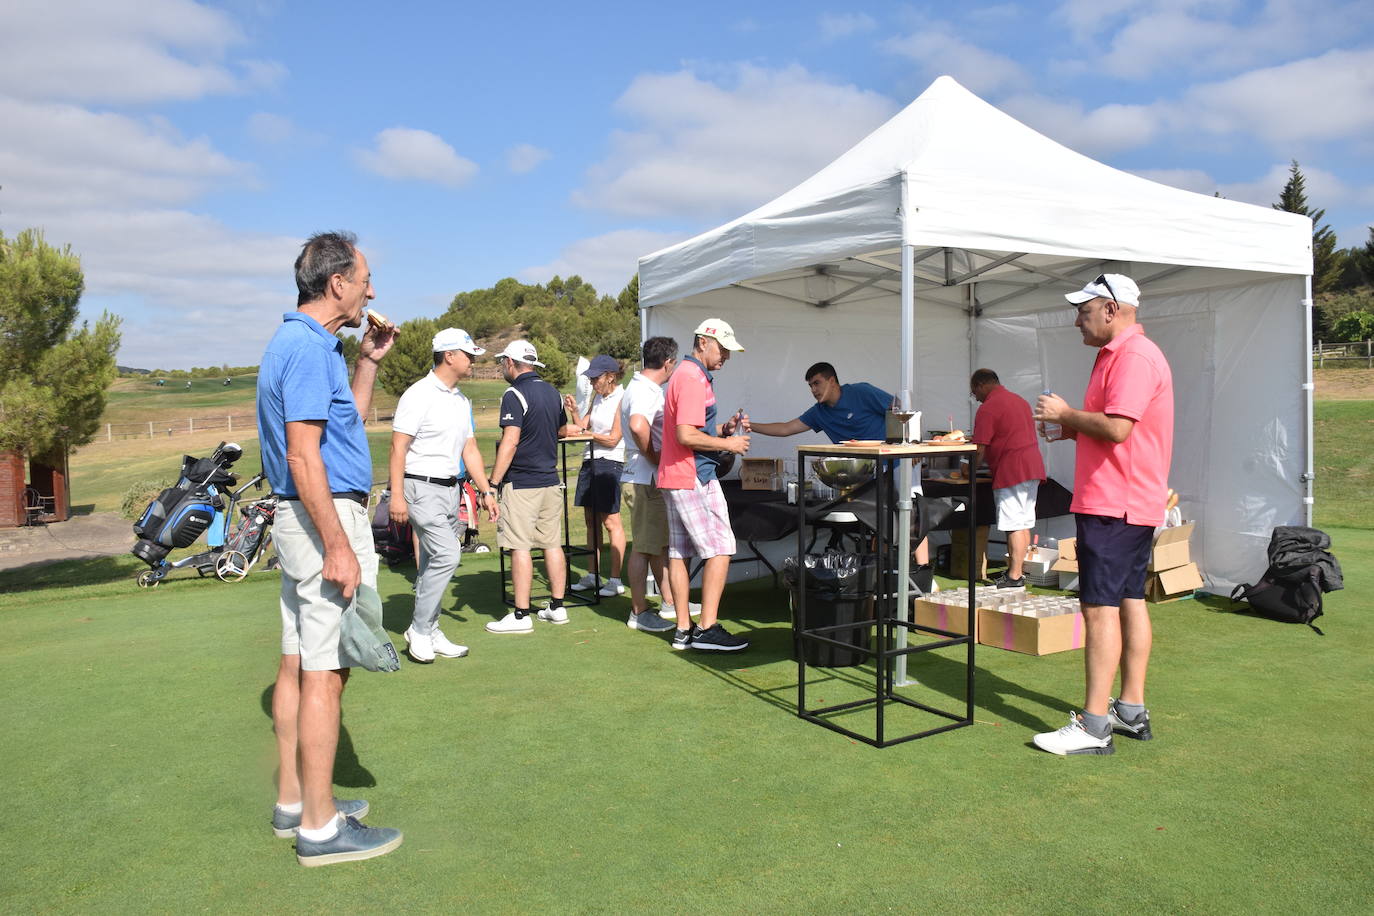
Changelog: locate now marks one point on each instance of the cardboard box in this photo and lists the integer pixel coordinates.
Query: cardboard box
(1171, 548)
(932, 612)
(1068, 582)
(1068, 557)
(1169, 584)
(959, 560)
(759, 473)
(1030, 635)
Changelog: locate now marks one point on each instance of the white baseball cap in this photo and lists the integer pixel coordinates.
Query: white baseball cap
(521, 351)
(456, 339)
(721, 332)
(1117, 287)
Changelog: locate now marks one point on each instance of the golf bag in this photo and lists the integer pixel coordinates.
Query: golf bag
(1300, 570)
(180, 514)
(391, 540)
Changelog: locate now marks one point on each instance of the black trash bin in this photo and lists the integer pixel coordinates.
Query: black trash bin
(840, 589)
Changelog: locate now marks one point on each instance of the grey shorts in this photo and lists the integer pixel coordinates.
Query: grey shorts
(311, 608)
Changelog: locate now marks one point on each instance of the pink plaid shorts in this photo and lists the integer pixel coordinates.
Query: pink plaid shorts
(698, 522)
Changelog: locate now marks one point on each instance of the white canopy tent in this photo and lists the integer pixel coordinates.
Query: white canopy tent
(944, 241)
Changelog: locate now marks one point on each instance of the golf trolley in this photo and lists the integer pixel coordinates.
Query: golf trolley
(198, 505)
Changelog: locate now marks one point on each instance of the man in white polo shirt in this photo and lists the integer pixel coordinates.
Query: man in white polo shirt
(431, 438)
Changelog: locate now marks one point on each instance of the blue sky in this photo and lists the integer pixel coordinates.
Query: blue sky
(185, 149)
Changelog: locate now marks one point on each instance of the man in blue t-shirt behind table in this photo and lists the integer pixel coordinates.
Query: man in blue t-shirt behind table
(843, 412)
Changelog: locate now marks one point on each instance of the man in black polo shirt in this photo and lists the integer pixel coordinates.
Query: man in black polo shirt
(526, 477)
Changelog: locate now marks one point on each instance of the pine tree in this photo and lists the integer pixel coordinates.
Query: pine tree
(1326, 261)
(53, 374)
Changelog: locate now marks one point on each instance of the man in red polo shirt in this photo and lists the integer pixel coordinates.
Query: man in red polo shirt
(1125, 439)
(1005, 435)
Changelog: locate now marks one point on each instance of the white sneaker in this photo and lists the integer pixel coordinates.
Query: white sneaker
(512, 624)
(586, 582)
(669, 612)
(445, 647)
(553, 614)
(611, 588)
(1073, 739)
(420, 648)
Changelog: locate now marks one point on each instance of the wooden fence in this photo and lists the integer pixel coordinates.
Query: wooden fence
(242, 423)
(1344, 354)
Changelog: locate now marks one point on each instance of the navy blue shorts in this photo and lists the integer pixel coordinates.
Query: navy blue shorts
(1112, 559)
(598, 485)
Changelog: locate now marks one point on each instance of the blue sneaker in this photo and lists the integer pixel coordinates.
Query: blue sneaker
(352, 843)
(285, 825)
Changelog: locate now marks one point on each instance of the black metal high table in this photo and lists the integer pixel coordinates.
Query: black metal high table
(594, 597)
(891, 543)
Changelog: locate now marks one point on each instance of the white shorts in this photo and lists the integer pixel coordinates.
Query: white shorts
(311, 607)
(1016, 506)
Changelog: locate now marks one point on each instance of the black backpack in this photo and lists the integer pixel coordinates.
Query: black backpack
(1301, 569)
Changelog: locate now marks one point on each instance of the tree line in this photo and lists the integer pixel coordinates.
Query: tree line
(1342, 278)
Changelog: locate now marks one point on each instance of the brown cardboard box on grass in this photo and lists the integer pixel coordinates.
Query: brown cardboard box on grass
(1030, 635)
(1170, 548)
(1173, 584)
(934, 612)
(759, 473)
(959, 554)
(1067, 564)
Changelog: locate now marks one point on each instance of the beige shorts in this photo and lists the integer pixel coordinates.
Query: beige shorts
(530, 519)
(311, 608)
(648, 518)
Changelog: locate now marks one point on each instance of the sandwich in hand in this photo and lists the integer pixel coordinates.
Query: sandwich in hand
(377, 319)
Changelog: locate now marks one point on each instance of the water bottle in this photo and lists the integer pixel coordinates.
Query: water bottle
(1050, 431)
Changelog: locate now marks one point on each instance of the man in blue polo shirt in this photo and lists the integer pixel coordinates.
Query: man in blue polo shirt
(315, 453)
(857, 410)
(854, 411)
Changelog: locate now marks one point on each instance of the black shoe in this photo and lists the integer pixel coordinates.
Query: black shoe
(682, 639)
(716, 639)
(1137, 728)
(1006, 581)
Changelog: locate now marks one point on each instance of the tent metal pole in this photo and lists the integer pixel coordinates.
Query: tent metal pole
(899, 634)
(971, 291)
(1308, 439)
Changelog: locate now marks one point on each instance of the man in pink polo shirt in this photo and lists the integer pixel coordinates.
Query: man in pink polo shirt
(1005, 435)
(698, 518)
(1125, 437)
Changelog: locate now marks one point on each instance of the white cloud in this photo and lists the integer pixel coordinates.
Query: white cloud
(60, 158)
(1096, 133)
(1318, 99)
(700, 149)
(94, 51)
(1141, 39)
(938, 50)
(409, 154)
(607, 261)
(525, 157)
(1194, 180)
(835, 26)
(273, 129)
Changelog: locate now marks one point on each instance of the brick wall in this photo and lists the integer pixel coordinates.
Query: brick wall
(11, 490)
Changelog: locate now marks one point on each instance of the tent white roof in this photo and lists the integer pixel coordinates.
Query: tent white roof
(977, 179)
(998, 222)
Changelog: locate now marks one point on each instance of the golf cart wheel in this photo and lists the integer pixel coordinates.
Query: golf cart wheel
(148, 579)
(481, 548)
(231, 566)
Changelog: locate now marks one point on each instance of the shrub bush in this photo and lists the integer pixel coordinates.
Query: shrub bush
(139, 494)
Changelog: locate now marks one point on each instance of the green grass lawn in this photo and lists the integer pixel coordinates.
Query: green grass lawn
(588, 768)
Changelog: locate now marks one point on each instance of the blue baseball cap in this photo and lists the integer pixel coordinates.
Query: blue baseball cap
(601, 365)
